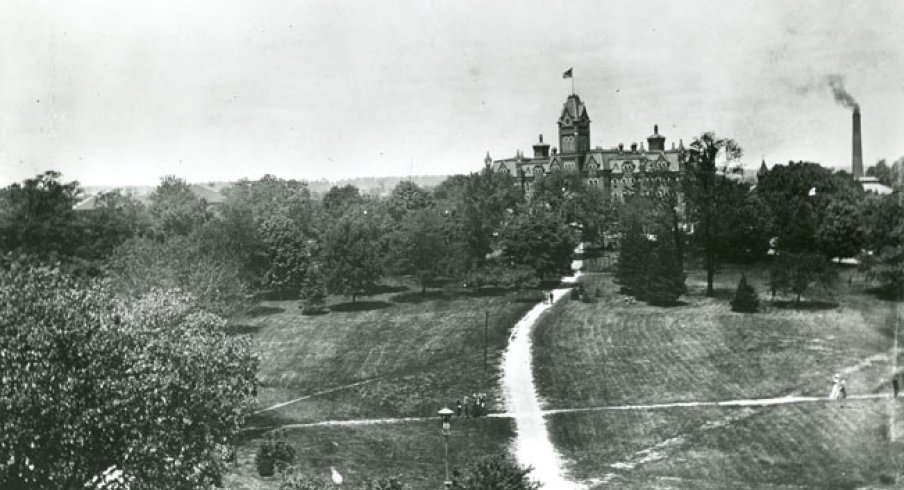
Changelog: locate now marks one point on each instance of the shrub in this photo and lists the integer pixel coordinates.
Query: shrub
(493, 472)
(745, 299)
(274, 454)
(598, 293)
(294, 479)
(390, 483)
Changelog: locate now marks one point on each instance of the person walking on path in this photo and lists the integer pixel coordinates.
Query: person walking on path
(458, 407)
(467, 405)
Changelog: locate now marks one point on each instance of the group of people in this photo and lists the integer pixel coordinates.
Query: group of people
(471, 406)
(548, 297)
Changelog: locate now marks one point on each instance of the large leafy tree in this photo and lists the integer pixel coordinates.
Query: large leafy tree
(488, 198)
(423, 246)
(261, 220)
(152, 387)
(538, 238)
(115, 218)
(407, 196)
(352, 253)
(291, 250)
(36, 216)
(175, 208)
(143, 264)
(840, 233)
(338, 199)
(649, 264)
(884, 240)
(707, 189)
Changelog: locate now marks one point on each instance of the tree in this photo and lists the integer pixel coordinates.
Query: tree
(493, 473)
(422, 246)
(797, 271)
(665, 277)
(142, 265)
(92, 381)
(338, 199)
(884, 236)
(407, 196)
(840, 234)
(487, 201)
(649, 265)
(291, 252)
(116, 217)
(312, 297)
(746, 226)
(36, 216)
(351, 253)
(538, 238)
(262, 214)
(175, 208)
(745, 299)
(706, 190)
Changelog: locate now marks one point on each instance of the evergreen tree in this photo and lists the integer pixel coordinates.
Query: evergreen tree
(312, 297)
(664, 281)
(745, 299)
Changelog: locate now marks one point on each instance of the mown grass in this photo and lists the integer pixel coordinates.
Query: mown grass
(398, 353)
(614, 353)
(610, 352)
(412, 451)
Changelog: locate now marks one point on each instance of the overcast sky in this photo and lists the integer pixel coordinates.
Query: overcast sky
(121, 92)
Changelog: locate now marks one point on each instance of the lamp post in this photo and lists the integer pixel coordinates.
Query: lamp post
(446, 416)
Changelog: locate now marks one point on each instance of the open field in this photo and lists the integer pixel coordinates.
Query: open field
(405, 353)
(393, 354)
(412, 451)
(613, 353)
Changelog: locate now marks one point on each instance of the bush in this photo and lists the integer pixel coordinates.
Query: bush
(493, 472)
(274, 454)
(598, 293)
(745, 299)
(390, 483)
(294, 479)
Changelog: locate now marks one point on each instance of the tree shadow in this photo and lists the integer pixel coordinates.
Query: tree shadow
(886, 293)
(242, 329)
(804, 305)
(385, 289)
(360, 306)
(263, 310)
(416, 297)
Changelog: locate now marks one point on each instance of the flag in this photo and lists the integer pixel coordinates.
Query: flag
(567, 73)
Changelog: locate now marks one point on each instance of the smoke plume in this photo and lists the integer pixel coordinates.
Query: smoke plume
(842, 96)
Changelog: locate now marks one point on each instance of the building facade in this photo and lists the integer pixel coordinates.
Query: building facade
(618, 171)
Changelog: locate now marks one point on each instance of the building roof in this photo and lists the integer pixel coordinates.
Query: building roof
(574, 108)
(872, 184)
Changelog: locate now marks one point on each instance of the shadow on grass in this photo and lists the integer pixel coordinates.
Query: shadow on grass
(360, 306)
(263, 310)
(886, 294)
(385, 289)
(242, 329)
(805, 305)
(416, 297)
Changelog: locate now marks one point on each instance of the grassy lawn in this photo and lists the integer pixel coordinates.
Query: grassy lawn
(394, 354)
(413, 451)
(613, 353)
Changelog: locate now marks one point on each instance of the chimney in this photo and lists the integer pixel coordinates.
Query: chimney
(857, 158)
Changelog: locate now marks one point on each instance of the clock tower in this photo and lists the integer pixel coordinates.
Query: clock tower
(574, 127)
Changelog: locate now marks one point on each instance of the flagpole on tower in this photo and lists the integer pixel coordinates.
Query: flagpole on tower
(569, 73)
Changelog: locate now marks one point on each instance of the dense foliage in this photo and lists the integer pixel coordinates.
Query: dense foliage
(493, 473)
(152, 386)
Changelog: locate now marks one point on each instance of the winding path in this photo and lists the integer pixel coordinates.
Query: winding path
(532, 445)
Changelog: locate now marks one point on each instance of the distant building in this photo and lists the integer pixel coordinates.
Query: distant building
(618, 171)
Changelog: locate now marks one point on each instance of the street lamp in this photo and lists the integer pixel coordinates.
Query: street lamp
(446, 416)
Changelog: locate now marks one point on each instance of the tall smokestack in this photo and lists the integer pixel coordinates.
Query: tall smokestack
(857, 158)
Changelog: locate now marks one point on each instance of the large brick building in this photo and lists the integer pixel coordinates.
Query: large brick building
(619, 171)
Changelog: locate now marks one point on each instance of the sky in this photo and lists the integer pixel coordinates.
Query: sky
(123, 92)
